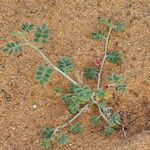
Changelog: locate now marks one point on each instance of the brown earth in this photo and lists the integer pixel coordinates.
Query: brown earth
(71, 22)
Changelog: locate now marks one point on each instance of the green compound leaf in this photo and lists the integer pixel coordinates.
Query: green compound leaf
(75, 129)
(114, 57)
(95, 120)
(72, 87)
(115, 77)
(47, 133)
(98, 35)
(12, 48)
(83, 93)
(122, 87)
(58, 90)
(119, 26)
(102, 105)
(73, 108)
(114, 120)
(41, 34)
(108, 131)
(105, 21)
(100, 93)
(65, 64)
(66, 99)
(90, 72)
(63, 139)
(73, 104)
(27, 27)
(43, 74)
(45, 143)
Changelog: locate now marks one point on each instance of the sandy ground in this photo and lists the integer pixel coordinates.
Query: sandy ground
(71, 22)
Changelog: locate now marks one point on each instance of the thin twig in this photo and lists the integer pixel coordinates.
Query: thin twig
(88, 105)
(81, 111)
(69, 78)
(123, 129)
(101, 113)
(104, 58)
(47, 61)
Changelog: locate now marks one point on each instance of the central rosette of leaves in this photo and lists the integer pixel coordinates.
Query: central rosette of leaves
(78, 96)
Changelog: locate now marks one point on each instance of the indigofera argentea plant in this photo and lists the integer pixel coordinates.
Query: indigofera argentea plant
(78, 97)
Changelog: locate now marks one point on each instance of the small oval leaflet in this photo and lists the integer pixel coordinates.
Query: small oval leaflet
(42, 34)
(65, 64)
(43, 74)
(63, 139)
(13, 48)
(114, 56)
(76, 128)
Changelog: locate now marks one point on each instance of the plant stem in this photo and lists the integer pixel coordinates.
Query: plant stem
(80, 112)
(88, 105)
(101, 113)
(47, 61)
(123, 129)
(104, 58)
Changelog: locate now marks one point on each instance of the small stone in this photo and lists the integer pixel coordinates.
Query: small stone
(70, 144)
(34, 106)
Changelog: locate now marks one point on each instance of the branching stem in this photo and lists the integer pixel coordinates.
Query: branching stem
(101, 113)
(88, 105)
(81, 111)
(104, 58)
(123, 129)
(48, 62)
(92, 101)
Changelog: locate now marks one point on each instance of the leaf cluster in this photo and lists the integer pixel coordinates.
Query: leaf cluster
(108, 131)
(118, 26)
(114, 57)
(27, 27)
(63, 139)
(114, 120)
(90, 72)
(98, 35)
(76, 128)
(119, 82)
(100, 93)
(95, 120)
(65, 64)
(43, 74)
(58, 90)
(80, 96)
(47, 134)
(50, 137)
(12, 48)
(41, 34)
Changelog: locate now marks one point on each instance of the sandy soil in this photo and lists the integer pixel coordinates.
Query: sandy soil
(71, 22)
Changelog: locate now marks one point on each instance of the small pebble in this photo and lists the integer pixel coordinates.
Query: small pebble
(70, 144)
(34, 106)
